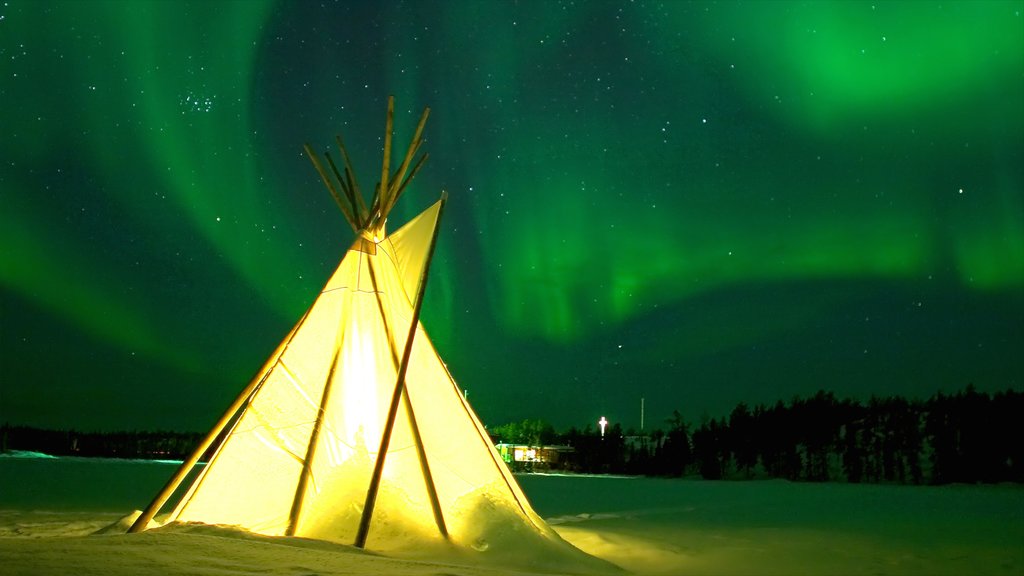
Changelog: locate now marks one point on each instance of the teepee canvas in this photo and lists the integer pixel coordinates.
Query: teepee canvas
(354, 431)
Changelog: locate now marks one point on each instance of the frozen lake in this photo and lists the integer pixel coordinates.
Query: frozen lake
(52, 509)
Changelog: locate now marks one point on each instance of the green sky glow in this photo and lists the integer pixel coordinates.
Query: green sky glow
(645, 198)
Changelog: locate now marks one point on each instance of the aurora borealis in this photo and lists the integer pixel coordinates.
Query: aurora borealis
(699, 203)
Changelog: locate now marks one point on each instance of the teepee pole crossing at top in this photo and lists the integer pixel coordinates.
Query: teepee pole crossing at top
(350, 199)
(349, 216)
(398, 184)
(346, 187)
(378, 467)
(352, 182)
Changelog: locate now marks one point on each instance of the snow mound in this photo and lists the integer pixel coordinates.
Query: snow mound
(25, 454)
(122, 525)
(67, 517)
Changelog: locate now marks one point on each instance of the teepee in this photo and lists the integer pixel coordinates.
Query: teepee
(354, 431)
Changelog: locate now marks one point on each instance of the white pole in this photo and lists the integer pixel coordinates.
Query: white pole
(641, 414)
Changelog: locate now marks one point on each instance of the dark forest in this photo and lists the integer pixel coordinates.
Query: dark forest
(967, 437)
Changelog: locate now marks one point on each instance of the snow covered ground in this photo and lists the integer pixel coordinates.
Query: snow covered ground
(67, 516)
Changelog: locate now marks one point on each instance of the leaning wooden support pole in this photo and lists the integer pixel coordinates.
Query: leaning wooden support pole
(388, 127)
(314, 439)
(428, 477)
(375, 213)
(396, 397)
(349, 217)
(347, 189)
(408, 179)
(350, 173)
(414, 145)
(161, 498)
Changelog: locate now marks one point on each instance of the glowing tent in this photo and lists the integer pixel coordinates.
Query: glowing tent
(354, 431)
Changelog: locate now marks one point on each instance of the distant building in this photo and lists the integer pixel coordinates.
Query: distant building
(521, 457)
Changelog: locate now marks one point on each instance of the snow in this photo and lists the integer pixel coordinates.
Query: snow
(68, 516)
(24, 454)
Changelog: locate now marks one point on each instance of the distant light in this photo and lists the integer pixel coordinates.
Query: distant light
(602, 423)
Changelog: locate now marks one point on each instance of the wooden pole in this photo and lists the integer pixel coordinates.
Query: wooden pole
(307, 462)
(378, 468)
(348, 191)
(201, 477)
(350, 173)
(414, 145)
(330, 187)
(428, 478)
(412, 175)
(161, 498)
(389, 123)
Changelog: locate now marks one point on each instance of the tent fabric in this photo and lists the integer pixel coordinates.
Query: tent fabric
(298, 458)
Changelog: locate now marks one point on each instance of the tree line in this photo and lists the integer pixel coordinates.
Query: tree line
(134, 444)
(968, 436)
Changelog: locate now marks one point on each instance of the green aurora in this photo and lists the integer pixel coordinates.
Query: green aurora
(701, 203)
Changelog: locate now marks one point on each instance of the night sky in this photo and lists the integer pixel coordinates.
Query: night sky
(695, 203)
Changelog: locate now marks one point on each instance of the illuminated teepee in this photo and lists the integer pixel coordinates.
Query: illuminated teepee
(354, 431)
